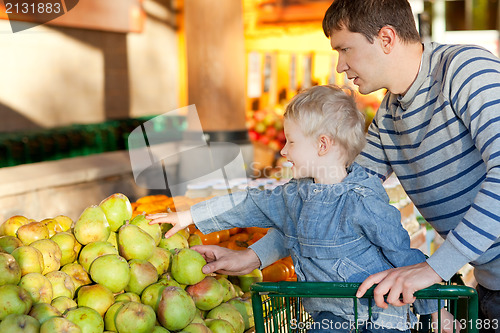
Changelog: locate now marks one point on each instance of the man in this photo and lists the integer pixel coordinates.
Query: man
(438, 129)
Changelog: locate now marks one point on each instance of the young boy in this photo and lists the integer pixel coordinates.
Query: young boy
(336, 219)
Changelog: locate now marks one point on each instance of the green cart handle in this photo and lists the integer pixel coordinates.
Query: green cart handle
(344, 290)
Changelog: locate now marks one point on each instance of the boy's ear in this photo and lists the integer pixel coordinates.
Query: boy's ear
(387, 36)
(324, 143)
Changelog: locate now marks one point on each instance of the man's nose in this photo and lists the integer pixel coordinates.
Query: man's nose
(341, 65)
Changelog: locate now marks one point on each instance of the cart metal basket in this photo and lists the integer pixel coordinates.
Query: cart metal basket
(278, 307)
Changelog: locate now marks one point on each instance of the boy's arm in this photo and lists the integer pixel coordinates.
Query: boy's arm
(238, 262)
(250, 208)
(270, 248)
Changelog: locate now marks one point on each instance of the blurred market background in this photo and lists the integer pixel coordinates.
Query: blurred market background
(74, 88)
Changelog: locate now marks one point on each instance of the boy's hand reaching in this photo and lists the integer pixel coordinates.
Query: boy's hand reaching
(447, 322)
(178, 220)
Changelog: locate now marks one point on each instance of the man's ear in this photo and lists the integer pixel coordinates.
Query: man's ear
(387, 38)
(324, 143)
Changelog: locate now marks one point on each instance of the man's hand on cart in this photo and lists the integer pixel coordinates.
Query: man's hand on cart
(178, 220)
(226, 261)
(399, 281)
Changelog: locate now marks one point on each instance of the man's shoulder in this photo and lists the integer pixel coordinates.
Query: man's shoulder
(447, 53)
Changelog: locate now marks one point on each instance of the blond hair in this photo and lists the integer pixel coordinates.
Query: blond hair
(328, 110)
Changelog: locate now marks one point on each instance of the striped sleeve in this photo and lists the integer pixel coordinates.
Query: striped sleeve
(473, 81)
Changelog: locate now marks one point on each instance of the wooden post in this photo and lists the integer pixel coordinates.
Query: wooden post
(216, 64)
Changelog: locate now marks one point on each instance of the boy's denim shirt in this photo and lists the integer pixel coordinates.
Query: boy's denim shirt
(342, 232)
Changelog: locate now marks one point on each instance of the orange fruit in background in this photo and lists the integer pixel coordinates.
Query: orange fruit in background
(224, 244)
(224, 235)
(289, 263)
(191, 228)
(242, 236)
(254, 230)
(237, 245)
(276, 272)
(155, 197)
(212, 238)
(255, 237)
(233, 231)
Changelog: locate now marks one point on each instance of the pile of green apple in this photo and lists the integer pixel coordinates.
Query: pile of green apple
(107, 271)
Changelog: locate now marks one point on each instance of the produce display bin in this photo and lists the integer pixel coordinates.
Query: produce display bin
(278, 307)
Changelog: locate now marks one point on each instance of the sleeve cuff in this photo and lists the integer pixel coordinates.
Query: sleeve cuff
(202, 219)
(270, 248)
(447, 260)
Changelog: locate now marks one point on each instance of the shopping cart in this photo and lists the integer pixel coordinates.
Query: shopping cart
(278, 306)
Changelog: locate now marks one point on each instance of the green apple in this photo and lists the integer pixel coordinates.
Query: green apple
(111, 271)
(127, 297)
(176, 309)
(109, 317)
(134, 317)
(52, 225)
(245, 281)
(244, 306)
(62, 284)
(14, 299)
(70, 248)
(152, 294)
(10, 272)
(154, 230)
(94, 250)
(142, 274)
(63, 303)
(176, 241)
(43, 312)
(19, 323)
(230, 292)
(31, 232)
(207, 294)
(64, 221)
(187, 265)
(91, 226)
(51, 254)
(30, 259)
(228, 312)
(59, 324)
(194, 239)
(118, 209)
(9, 243)
(95, 296)
(10, 226)
(219, 326)
(196, 328)
(159, 329)
(38, 286)
(135, 243)
(79, 276)
(113, 239)
(161, 259)
(88, 319)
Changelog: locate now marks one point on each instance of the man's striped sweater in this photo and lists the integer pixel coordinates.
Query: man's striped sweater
(442, 140)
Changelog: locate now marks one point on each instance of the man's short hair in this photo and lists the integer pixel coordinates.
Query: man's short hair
(367, 17)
